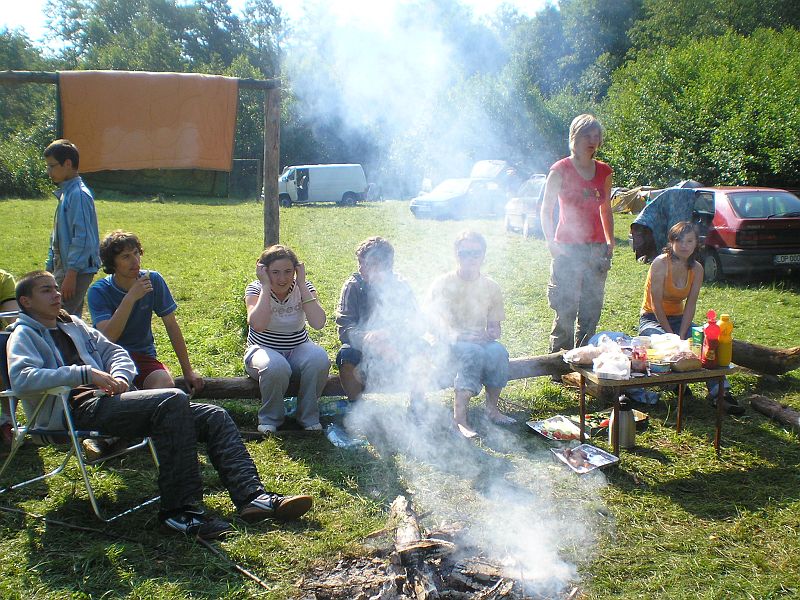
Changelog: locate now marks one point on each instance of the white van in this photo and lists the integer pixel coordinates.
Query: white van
(343, 184)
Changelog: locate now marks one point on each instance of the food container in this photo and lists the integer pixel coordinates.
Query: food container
(558, 428)
(584, 458)
(658, 366)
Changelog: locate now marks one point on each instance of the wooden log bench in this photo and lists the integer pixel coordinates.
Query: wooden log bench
(761, 359)
(221, 388)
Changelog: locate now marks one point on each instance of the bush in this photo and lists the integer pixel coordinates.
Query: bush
(724, 110)
(22, 169)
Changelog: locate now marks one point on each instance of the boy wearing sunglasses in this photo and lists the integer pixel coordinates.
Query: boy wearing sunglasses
(468, 308)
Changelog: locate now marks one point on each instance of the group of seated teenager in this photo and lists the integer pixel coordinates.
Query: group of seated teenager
(389, 341)
(119, 386)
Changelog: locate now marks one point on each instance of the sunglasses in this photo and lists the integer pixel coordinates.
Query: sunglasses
(470, 253)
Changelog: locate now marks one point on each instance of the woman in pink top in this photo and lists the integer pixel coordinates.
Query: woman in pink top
(582, 241)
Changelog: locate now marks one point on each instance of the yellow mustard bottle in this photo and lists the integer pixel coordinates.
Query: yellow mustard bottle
(725, 344)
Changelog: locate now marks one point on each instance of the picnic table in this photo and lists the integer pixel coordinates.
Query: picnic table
(655, 379)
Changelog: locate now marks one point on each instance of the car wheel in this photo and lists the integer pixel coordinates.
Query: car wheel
(507, 224)
(712, 267)
(349, 199)
(285, 200)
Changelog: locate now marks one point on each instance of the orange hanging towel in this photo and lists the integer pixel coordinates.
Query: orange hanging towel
(126, 120)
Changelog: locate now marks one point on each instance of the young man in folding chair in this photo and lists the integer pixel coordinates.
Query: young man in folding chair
(50, 348)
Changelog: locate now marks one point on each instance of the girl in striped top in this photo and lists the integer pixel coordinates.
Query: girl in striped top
(279, 303)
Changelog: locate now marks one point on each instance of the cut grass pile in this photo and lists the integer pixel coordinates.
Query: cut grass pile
(671, 521)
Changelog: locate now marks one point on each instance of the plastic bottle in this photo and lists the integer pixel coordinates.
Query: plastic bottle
(626, 425)
(709, 356)
(290, 405)
(341, 439)
(331, 408)
(725, 344)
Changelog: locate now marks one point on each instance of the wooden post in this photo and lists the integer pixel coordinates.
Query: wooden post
(272, 157)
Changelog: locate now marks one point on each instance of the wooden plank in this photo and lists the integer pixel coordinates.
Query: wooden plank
(13, 77)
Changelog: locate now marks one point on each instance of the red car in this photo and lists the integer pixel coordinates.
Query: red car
(747, 230)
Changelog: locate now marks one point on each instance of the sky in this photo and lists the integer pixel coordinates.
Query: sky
(29, 14)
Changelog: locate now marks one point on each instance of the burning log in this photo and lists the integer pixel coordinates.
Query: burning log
(422, 566)
(407, 539)
(781, 413)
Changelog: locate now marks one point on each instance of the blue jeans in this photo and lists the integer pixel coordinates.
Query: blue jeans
(484, 363)
(649, 325)
(175, 426)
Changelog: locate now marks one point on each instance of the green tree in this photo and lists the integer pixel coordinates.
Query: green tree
(27, 118)
(667, 22)
(722, 110)
(164, 35)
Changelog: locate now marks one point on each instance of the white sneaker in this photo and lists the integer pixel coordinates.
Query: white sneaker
(265, 429)
(314, 427)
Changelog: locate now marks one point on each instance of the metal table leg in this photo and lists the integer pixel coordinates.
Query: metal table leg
(583, 408)
(679, 424)
(615, 436)
(720, 402)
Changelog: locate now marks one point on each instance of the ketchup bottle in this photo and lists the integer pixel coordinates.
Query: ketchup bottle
(709, 356)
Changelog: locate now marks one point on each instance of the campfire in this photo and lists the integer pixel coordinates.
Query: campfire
(418, 564)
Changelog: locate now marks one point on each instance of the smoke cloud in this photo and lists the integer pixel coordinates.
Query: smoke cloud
(405, 78)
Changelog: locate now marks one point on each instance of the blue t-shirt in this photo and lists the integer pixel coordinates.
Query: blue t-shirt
(104, 298)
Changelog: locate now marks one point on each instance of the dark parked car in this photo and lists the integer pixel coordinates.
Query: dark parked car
(743, 230)
(460, 198)
(747, 230)
(523, 211)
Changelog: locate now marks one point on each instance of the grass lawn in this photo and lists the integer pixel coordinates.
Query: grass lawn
(671, 521)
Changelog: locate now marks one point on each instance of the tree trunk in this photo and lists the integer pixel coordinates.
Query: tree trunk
(272, 159)
(783, 414)
(220, 388)
(770, 361)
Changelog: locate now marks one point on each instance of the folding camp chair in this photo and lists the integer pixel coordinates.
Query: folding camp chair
(69, 434)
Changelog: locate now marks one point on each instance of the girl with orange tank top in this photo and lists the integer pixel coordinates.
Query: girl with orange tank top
(669, 305)
(673, 285)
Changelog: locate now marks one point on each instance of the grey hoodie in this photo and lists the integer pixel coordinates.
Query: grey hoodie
(35, 364)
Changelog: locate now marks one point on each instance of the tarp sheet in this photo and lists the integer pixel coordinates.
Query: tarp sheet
(124, 120)
(631, 201)
(669, 207)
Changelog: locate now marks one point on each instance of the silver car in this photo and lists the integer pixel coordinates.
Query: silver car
(522, 211)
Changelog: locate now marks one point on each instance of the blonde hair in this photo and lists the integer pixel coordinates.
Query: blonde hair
(583, 124)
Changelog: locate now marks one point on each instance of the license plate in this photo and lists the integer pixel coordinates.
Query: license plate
(786, 259)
